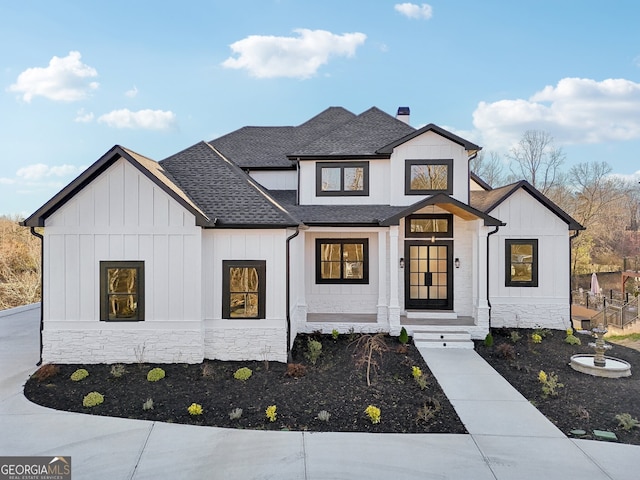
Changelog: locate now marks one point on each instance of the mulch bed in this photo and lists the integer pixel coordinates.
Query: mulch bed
(337, 385)
(585, 402)
(334, 384)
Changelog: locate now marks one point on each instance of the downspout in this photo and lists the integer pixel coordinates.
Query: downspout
(36, 234)
(570, 270)
(488, 296)
(288, 292)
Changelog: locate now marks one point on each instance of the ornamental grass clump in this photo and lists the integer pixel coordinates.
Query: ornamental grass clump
(235, 414)
(626, 421)
(271, 413)
(323, 416)
(148, 404)
(155, 374)
(373, 413)
(118, 370)
(243, 374)
(45, 372)
(79, 374)
(195, 409)
(550, 384)
(92, 399)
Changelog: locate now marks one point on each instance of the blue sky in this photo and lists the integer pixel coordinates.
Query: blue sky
(156, 76)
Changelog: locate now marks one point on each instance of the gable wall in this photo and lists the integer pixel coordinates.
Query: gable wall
(122, 215)
(428, 146)
(276, 179)
(545, 305)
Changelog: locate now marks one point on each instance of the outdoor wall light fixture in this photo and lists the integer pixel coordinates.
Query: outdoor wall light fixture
(402, 262)
(456, 262)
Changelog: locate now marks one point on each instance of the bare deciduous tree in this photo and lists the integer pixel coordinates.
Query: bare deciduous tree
(491, 169)
(537, 160)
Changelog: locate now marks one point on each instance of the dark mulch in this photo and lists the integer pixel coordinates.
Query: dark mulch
(585, 402)
(334, 384)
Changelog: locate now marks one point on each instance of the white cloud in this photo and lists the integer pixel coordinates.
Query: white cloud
(411, 10)
(142, 119)
(83, 117)
(39, 171)
(66, 79)
(576, 110)
(132, 93)
(6, 181)
(293, 57)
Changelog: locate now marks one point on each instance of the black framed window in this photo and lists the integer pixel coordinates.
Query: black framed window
(342, 260)
(122, 291)
(426, 177)
(243, 288)
(342, 178)
(439, 225)
(521, 262)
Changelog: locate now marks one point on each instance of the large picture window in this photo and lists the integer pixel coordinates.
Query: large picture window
(342, 260)
(122, 291)
(243, 284)
(521, 263)
(426, 177)
(342, 178)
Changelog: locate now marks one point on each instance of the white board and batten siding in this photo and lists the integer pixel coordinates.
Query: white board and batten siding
(546, 305)
(120, 216)
(245, 339)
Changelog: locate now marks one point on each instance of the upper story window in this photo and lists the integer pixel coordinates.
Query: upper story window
(426, 177)
(342, 260)
(122, 291)
(429, 225)
(342, 178)
(521, 263)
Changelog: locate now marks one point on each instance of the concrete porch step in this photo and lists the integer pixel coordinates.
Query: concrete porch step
(442, 339)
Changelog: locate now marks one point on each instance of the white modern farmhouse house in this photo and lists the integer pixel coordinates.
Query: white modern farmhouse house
(229, 248)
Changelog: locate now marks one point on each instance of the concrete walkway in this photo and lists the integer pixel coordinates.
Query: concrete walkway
(522, 444)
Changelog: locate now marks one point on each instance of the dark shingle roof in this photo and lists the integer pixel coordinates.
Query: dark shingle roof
(268, 147)
(223, 191)
(363, 135)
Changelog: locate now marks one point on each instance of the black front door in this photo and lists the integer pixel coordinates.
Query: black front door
(428, 276)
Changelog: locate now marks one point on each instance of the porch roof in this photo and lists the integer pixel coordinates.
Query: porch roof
(447, 203)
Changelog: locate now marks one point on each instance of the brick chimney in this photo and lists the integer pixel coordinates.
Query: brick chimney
(403, 114)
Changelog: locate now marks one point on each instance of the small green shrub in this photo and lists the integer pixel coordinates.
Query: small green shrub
(118, 370)
(550, 384)
(155, 374)
(235, 414)
(419, 377)
(572, 340)
(92, 399)
(404, 336)
(323, 416)
(243, 374)
(335, 334)
(314, 349)
(79, 374)
(627, 422)
(195, 409)
(45, 372)
(515, 336)
(488, 340)
(148, 404)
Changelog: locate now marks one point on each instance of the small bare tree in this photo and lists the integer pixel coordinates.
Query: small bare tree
(490, 169)
(537, 160)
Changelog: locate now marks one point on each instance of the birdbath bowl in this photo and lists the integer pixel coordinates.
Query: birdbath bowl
(598, 364)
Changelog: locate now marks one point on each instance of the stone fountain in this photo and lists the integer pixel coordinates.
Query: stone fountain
(598, 364)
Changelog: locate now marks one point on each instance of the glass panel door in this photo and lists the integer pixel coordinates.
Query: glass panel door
(428, 278)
